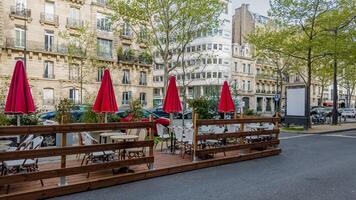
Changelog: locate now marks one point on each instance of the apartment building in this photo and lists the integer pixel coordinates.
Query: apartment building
(38, 26)
(209, 59)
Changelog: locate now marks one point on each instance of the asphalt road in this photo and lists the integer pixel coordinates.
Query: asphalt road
(311, 167)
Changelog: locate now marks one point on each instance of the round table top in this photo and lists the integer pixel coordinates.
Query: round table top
(4, 148)
(5, 142)
(124, 137)
(112, 133)
(258, 126)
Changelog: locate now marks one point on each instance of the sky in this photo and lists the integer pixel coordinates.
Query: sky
(257, 6)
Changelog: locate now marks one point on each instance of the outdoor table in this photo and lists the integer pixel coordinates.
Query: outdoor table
(258, 127)
(109, 134)
(5, 142)
(4, 148)
(124, 138)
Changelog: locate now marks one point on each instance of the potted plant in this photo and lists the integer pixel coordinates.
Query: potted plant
(63, 111)
(129, 54)
(120, 53)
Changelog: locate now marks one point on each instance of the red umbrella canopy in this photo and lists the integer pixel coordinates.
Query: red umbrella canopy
(105, 100)
(172, 102)
(19, 99)
(226, 103)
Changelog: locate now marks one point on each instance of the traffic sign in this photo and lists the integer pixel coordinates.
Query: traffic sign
(276, 97)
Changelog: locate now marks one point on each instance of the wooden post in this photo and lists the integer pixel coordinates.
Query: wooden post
(242, 129)
(151, 138)
(277, 125)
(195, 136)
(63, 180)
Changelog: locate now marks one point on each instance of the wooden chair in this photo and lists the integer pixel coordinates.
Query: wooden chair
(163, 135)
(138, 152)
(23, 165)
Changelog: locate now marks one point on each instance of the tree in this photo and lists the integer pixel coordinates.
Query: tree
(81, 47)
(297, 34)
(163, 22)
(323, 74)
(335, 23)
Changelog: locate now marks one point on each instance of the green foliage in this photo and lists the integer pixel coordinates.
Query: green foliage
(202, 107)
(4, 120)
(63, 111)
(136, 109)
(89, 116)
(145, 57)
(249, 112)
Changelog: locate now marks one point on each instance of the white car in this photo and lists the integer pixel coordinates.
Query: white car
(349, 112)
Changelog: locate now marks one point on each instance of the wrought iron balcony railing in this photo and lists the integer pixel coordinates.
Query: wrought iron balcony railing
(47, 18)
(20, 12)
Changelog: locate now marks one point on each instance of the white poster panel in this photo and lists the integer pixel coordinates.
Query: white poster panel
(296, 101)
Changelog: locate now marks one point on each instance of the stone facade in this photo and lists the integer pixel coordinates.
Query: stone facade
(51, 75)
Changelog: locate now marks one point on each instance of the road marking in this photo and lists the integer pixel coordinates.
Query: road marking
(297, 136)
(343, 136)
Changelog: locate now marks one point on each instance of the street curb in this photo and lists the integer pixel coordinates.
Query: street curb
(322, 132)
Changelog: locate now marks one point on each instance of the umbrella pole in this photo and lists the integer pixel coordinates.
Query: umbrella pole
(18, 121)
(106, 117)
(171, 129)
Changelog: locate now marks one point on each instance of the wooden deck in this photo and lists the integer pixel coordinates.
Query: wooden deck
(165, 164)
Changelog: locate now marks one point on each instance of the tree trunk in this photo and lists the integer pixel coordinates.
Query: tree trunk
(307, 100)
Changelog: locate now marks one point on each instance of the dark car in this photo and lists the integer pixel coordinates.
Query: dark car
(159, 112)
(76, 113)
(125, 116)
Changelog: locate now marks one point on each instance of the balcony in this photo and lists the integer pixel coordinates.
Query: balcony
(266, 76)
(106, 28)
(74, 23)
(34, 46)
(103, 3)
(49, 19)
(20, 13)
(104, 55)
(49, 76)
(258, 91)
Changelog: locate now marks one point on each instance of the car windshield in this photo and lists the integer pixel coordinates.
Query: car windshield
(147, 113)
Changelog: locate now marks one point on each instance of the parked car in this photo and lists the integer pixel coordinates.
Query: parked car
(349, 112)
(159, 112)
(188, 114)
(125, 116)
(76, 113)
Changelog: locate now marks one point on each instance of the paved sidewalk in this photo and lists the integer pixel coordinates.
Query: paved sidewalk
(322, 129)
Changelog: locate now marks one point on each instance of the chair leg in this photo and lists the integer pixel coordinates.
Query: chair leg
(42, 182)
(83, 159)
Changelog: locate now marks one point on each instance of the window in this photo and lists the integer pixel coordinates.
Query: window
(48, 96)
(103, 23)
(48, 70)
(143, 35)
(208, 75)
(215, 46)
(143, 98)
(143, 78)
(126, 30)
(203, 75)
(49, 40)
(210, 46)
(74, 95)
(156, 92)
(235, 66)
(244, 68)
(73, 72)
(126, 97)
(243, 85)
(21, 4)
(193, 48)
(100, 73)
(126, 77)
(204, 47)
(219, 75)
(104, 48)
(215, 61)
(74, 17)
(220, 46)
(49, 11)
(220, 61)
(226, 8)
(249, 68)
(248, 85)
(215, 74)
(19, 37)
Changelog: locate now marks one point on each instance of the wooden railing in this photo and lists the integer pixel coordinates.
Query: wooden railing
(273, 139)
(65, 150)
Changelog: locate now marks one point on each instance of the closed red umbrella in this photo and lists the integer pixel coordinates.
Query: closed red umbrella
(105, 100)
(19, 99)
(172, 103)
(226, 104)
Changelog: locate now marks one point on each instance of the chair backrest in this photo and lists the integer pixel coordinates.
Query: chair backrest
(142, 134)
(36, 143)
(218, 129)
(26, 143)
(160, 129)
(205, 129)
(178, 132)
(88, 139)
(134, 131)
(232, 128)
(270, 126)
